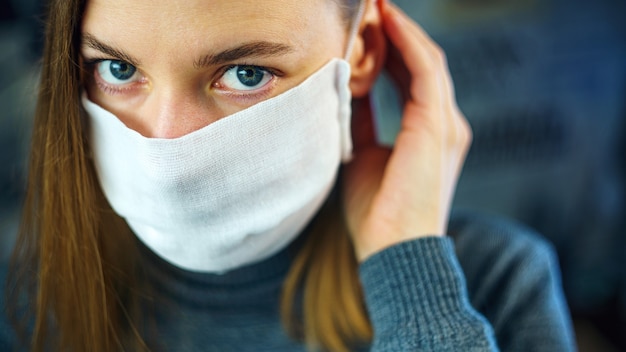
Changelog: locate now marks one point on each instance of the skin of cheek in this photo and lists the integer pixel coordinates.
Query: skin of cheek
(182, 31)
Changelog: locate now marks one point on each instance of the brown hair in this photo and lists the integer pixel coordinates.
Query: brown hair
(73, 285)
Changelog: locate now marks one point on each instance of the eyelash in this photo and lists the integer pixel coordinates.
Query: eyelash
(248, 95)
(91, 65)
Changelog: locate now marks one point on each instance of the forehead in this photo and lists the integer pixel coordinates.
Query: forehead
(190, 23)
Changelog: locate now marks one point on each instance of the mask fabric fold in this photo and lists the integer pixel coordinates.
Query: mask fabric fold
(237, 190)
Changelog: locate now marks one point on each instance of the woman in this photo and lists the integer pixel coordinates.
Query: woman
(185, 191)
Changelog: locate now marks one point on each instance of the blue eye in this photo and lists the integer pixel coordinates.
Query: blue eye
(246, 77)
(116, 72)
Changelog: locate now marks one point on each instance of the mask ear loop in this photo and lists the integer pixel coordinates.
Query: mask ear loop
(354, 30)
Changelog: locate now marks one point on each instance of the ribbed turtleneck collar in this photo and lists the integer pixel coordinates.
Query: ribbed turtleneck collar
(249, 285)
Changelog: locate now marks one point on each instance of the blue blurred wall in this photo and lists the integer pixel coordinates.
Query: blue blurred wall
(19, 51)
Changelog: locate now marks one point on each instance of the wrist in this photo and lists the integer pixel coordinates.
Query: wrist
(375, 239)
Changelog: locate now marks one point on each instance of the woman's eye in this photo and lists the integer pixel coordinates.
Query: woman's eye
(245, 77)
(117, 72)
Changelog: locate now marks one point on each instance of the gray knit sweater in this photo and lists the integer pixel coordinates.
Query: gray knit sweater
(491, 285)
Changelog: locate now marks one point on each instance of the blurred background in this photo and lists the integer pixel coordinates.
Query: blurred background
(543, 84)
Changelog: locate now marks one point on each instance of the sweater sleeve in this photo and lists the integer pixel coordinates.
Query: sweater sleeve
(417, 300)
(514, 280)
(491, 285)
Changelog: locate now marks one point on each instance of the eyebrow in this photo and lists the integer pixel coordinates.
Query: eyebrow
(90, 41)
(252, 49)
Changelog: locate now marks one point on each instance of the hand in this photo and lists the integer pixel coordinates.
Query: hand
(397, 195)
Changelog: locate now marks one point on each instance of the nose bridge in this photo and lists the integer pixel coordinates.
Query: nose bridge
(174, 112)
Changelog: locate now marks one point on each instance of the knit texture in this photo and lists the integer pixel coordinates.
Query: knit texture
(440, 318)
(491, 285)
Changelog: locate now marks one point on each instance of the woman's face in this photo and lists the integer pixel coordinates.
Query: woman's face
(169, 67)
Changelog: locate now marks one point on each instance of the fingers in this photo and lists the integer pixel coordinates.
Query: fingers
(419, 65)
(407, 24)
(418, 53)
(410, 196)
(424, 59)
(394, 65)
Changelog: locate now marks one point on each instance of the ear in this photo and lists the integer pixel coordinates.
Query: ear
(369, 51)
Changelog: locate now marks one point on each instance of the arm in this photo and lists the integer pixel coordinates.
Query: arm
(417, 300)
(498, 283)
(514, 280)
(397, 202)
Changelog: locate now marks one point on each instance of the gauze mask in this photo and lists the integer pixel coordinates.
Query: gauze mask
(236, 191)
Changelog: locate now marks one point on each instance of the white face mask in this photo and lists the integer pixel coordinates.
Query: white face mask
(236, 191)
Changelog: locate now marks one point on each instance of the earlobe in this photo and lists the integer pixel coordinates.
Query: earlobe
(369, 51)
